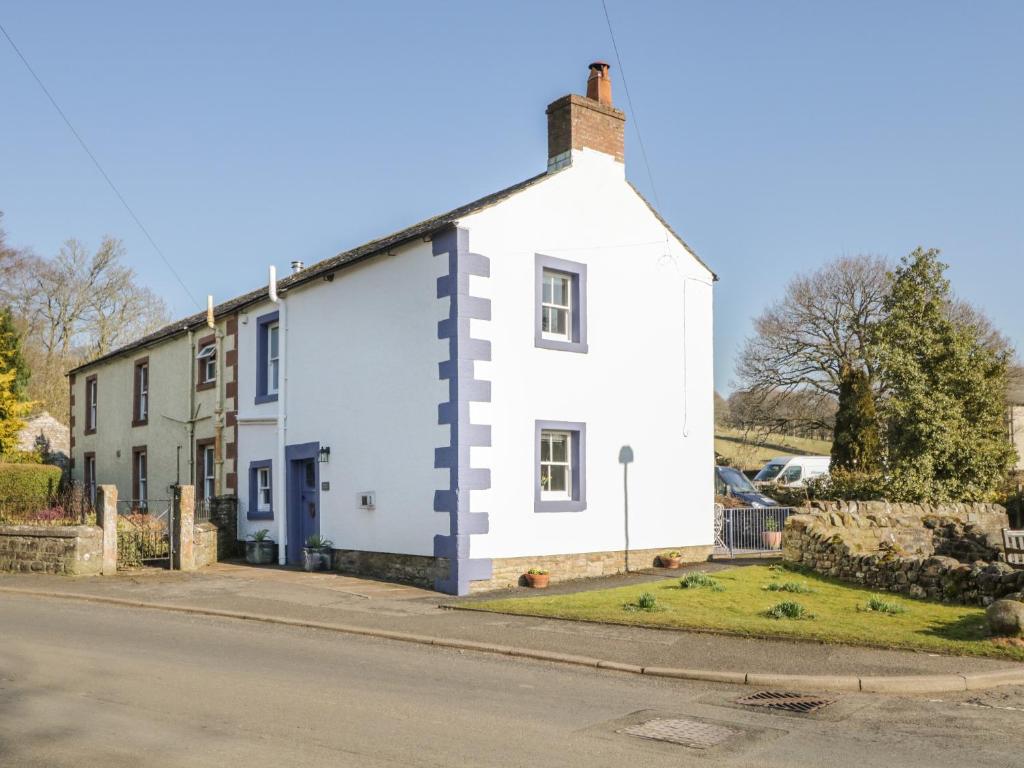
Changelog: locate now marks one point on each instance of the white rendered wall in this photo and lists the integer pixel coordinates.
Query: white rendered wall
(362, 356)
(643, 382)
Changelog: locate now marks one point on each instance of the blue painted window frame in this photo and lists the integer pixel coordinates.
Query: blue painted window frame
(577, 273)
(254, 512)
(262, 349)
(578, 502)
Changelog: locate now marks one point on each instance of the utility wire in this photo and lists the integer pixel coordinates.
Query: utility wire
(99, 167)
(629, 100)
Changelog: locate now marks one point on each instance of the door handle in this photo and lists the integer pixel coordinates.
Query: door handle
(312, 509)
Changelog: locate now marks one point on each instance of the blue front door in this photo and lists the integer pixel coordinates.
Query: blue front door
(303, 505)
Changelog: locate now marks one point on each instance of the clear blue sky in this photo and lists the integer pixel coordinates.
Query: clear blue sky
(780, 134)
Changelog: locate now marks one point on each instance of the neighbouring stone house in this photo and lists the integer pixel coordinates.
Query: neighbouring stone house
(1015, 414)
(43, 431)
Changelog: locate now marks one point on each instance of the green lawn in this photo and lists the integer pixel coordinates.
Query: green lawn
(744, 451)
(739, 604)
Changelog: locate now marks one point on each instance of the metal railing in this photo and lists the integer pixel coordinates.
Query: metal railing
(67, 505)
(143, 531)
(749, 530)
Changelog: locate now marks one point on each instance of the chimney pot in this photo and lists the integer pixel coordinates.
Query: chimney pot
(297, 266)
(599, 84)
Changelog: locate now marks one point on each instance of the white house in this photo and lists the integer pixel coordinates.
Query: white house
(448, 404)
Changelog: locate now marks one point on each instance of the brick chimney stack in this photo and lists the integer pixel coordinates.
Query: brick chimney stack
(599, 84)
(577, 122)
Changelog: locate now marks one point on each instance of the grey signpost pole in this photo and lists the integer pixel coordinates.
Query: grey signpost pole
(625, 459)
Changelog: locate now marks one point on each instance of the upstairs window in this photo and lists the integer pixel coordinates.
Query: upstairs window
(268, 358)
(556, 307)
(207, 363)
(91, 392)
(140, 410)
(560, 314)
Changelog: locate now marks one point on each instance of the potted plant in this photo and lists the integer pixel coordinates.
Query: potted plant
(316, 555)
(771, 536)
(538, 578)
(259, 550)
(671, 559)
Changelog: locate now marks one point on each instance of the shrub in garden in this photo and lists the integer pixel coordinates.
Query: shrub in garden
(700, 579)
(26, 489)
(645, 602)
(788, 586)
(881, 605)
(788, 610)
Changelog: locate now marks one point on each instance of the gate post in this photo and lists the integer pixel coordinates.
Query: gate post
(183, 526)
(106, 519)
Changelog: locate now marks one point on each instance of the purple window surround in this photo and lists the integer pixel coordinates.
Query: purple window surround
(578, 457)
(578, 274)
(262, 350)
(463, 387)
(254, 512)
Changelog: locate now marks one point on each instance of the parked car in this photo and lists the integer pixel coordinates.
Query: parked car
(793, 471)
(729, 481)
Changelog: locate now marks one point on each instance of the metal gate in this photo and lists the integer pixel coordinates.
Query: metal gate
(144, 533)
(749, 530)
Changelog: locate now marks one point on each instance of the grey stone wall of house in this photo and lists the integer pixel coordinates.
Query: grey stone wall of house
(420, 570)
(43, 431)
(950, 552)
(75, 550)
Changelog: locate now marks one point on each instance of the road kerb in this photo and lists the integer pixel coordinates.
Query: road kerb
(897, 684)
(805, 682)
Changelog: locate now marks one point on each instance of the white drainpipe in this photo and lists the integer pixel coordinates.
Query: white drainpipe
(280, 481)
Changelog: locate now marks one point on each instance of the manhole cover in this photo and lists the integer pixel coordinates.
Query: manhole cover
(785, 701)
(689, 733)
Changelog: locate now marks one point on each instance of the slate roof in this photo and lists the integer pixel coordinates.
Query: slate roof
(347, 258)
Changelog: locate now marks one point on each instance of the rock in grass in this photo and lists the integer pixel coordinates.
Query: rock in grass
(1006, 618)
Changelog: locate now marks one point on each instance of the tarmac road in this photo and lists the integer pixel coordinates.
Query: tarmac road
(93, 685)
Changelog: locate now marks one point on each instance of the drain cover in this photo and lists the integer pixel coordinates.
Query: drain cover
(785, 701)
(689, 733)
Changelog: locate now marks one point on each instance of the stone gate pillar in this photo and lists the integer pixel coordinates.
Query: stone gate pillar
(183, 530)
(106, 519)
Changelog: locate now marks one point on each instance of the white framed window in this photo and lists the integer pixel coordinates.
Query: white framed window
(90, 477)
(555, 465)
(91, 391)
(264, 493)
(207, 358)
(209, 469)
(556, 306)
(142, 392)
(273, 359)
(141, 478)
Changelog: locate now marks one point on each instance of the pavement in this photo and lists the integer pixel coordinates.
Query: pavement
(354, 605)
(89, 684)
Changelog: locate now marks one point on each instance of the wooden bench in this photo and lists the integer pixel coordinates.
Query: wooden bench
(1013, 546)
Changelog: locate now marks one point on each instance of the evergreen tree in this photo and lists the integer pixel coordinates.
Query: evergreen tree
(856, 444)
(944, 409)
(12, 411)
(11, 356)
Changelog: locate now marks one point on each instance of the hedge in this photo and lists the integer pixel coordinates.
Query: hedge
(27, 487)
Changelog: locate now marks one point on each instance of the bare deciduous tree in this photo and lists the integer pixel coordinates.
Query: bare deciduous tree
(73, 307)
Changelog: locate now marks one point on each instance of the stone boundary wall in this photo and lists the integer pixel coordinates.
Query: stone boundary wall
(420, 570)
(946, 552)
(75, 550)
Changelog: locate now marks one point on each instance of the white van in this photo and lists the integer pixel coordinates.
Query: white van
(793, 471)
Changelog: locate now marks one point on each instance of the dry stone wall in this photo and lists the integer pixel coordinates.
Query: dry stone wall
(70, 550)
(950, 552)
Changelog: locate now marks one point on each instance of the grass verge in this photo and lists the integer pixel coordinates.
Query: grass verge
(742, 606)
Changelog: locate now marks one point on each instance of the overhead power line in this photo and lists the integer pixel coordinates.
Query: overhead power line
(629, 100)
(99, 167)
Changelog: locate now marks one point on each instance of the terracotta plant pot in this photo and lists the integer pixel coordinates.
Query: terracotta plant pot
(538, 580)
(670, 562)
(772, 539)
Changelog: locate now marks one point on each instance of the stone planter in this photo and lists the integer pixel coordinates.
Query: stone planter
(260, 552)
(316, 559)
(772, 539)
(538, 580)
